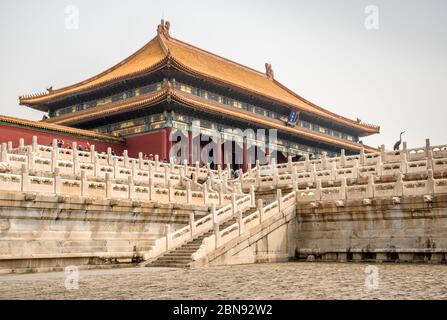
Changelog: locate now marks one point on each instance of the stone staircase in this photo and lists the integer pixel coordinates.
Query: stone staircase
(181, 257)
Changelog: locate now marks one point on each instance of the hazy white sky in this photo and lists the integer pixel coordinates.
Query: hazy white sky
(394, 76)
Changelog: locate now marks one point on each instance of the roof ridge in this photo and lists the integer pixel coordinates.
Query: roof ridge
(56, 127)
(321, 108)
(217, 56)
(107, 71)
(186, 97)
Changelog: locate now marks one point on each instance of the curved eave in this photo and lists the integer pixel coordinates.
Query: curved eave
(38, 102)
(38, 125)
(110, 109)
(193, 102)
(323, 113)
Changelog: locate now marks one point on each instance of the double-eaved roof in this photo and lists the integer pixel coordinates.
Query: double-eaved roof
(164, 49)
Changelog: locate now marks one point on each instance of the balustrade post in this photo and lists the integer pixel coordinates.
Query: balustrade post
(30, 159)
(188, 192)
(333, 171)
(430, 182)
(126, 159)
(21, 144)
(54, 163)
(197, 168)
(221, 196)
(192, 224)
(140, 160)
(403, 163)
(343, 158)
(184, 168)
(214, 216)
(240, 221)
(134, 170)
(382, 153)
(379, 167)
(399, 186)
(355, 169)
(294, 174)
(109, 156)
(116, 171)
(157, 163)
(289, 163)
(84, 184)
(261, 209)
(205, 193)
(343, 189)
(258, 178)
(168, 236)
(75, 160)
(275, 174)
(217, 234)
(324, 165)
(427, 146)
(233, 203)
(279, 199)
(167, 176)
(252, 196)
(430, 159)
(306, 162)
(151, 188)
(34, 145)
(404, 148)
(25, 183)
(362, 156)
(370, 187)
(108, 186)
(93, 154)
(131, 186)
(314, 172)
(170, 191)
(4, 152)
(318, 190)
(57, 181)
(219, 171)
(96, 166)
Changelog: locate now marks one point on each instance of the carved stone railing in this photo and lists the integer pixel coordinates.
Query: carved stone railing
(110, 188)
(245, 224)
(195, 228)
(77, 157)
(382, 164)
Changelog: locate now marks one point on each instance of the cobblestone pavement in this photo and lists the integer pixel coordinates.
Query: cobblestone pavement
(261, 281)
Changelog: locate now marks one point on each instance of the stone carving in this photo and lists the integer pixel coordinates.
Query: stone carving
(269, 70)
(163, 28)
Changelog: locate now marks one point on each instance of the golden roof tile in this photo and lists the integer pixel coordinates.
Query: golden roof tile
(58, 128)
(165, 49)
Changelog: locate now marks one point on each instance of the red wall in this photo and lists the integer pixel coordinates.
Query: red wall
(155, 142)
(11, 133)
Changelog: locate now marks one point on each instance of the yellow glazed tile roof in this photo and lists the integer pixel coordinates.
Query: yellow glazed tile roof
(58, 128)
(165, 49)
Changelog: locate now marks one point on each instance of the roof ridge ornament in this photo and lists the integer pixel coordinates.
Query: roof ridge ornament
(269, 71)
(163, 28)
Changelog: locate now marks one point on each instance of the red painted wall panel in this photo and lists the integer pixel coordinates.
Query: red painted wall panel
(149, 143)
(11, 133)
